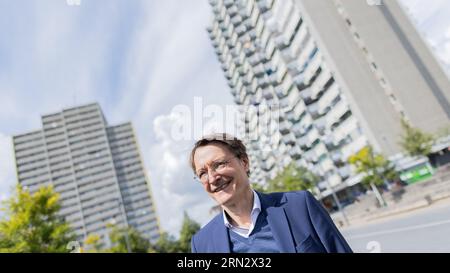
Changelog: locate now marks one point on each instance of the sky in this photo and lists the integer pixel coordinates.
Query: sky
(139, 59)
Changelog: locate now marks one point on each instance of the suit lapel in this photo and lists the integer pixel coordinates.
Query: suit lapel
(276, 217)
(221, 238)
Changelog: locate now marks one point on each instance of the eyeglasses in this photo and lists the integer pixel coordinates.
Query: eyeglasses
(216, 167)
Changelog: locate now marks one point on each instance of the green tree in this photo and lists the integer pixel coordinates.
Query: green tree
(188, 229)
(376, 168)
(292, 178)
(414, 141)
(31, 223)
(167, 244)
(120, 236)
(92, 244)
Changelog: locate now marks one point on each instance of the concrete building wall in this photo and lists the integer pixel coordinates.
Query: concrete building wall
(384, 65)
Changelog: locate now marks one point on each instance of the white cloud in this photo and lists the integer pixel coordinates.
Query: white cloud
(173, 186)
(432, 20)
(444, 50)
(55, 61)
(170, 61)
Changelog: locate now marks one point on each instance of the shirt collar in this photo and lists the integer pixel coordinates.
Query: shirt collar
(255, 209)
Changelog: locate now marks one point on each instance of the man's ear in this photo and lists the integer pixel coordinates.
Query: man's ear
(246, 164)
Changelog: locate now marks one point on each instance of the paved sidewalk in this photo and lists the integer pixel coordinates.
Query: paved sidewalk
(389, 215)
(416, 196)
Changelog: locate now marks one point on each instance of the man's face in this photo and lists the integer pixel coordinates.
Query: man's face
(223, 175)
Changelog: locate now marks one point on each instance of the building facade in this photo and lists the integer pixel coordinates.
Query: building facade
(342, 72)
(96, 168)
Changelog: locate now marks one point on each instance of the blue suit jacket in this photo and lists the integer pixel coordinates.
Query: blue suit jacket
(299, 223)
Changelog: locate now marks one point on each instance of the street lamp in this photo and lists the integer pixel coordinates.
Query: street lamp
(340, 208)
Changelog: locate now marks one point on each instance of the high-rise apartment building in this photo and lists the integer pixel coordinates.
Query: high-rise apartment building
(344, 73)
(96, 168)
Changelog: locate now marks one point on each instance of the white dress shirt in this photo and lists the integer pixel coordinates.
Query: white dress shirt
(244, 232)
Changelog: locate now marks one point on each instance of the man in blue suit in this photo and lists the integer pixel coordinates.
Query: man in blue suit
(253, 222)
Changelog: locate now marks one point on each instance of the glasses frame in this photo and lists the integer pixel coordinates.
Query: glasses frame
(214, 168)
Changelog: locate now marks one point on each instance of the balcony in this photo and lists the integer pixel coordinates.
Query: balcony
(284, 127)
(232, 41)
(263, 81)
(282, 41)
(265, 5)
(289, 139)
(334, 180)
(318, 85)
(325, 102)
(233, 10)
(344, 171)
(326, 165)
(306, 123)
(245, 9)
(313, 109)
(353, 147)
(274, 26)
(255, 59)
(228, 3)
(269, 164)
(312, 136)
(236, 20)
(291, 99)
(306, 50)
(306, 94)
(241, 29)
(336, 113)
(311, 69)
(345, 129)
(282, 90)
(310, 156)
(295, 152)
(295, 114)
(259, 69)
(268, 93)
(296, 128)
(336, 156)
(257, 98)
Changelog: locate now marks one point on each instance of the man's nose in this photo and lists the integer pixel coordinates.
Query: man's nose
(213, 176)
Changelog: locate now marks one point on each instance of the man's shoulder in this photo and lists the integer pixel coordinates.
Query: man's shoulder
(283, 197)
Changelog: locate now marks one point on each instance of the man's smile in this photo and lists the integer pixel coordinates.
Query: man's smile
(223, 184)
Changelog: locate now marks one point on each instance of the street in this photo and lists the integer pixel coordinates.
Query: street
(424, 230)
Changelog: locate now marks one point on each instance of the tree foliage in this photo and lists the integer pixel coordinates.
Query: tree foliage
(31, 223)
(168, 244)
(414, 141)
(292, 178)
(376, 168)
(120, 237)
(188, 229)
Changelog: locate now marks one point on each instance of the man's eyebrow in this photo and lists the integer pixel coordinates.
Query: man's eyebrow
(201, 169)
(212, 162)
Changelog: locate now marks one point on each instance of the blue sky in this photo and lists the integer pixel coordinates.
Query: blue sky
(138, 59)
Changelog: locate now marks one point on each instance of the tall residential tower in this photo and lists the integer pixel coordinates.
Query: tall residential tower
(344, 73)
(97, 170)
